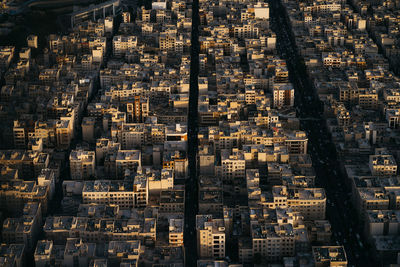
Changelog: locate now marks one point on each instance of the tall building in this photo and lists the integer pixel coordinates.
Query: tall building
(135, 110)
(283, 95)
(210, 237)
(82, 164)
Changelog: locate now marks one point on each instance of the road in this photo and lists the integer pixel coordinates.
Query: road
(191, 193)
(340, 213)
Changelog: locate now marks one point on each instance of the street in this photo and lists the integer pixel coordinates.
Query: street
(191, 205)
(340, 213)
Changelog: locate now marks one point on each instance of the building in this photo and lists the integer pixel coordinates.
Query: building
(88, 129)
(126, 162)
(122, 44)
(210, 237)
(175, 234)
(14, 194)
(233, 164)
(78, 253)
(44, 253)
(12, 255)
(25, 229)
(120, 251)
(283, 95)
(382, 163)
(82, 164)
(104, 147)
(329, 256)
(32, 41)
(125, 194)
(172, 200)
(310, 202)
(126, 17)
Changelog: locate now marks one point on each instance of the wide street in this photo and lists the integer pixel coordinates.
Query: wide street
(340, 213)
(191, 205)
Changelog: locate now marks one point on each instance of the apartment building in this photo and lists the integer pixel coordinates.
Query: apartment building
(126, 162)
(13, 254)
(296, 142)
(273, 241)
(126, 194)
(329, 256)
(310, 202)
(122, 44)
(78, 252)
(105, 146)
(6, 55)
(283, 95)
(233, 164)
(382, 163)
(121, 251)
(210, 237)
(175, 233)
(44, 253)
(382, 222)
(172, 200)
(25, 229)
(82, 164)
(14, 194)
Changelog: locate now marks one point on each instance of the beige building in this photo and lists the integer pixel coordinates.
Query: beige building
(44, 253)
(127, 161)
(172, 201)
(105, 146)
(310, 202)
(319, 231)
(296, 142)
(82, 164)
(120, 251)
(32, 41)
(21, 131)
(382, 163)
(334, 256)
(78, 252)
(175, 234)
(371, 198)
(233, 164)
(13, 255)
(122, 44)
(25, 229)
(273, 241)
(15, 193)
(88, 124)
(126, 194)
(283, 95)
(382, 222)
(210, 237)
(160, 181)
